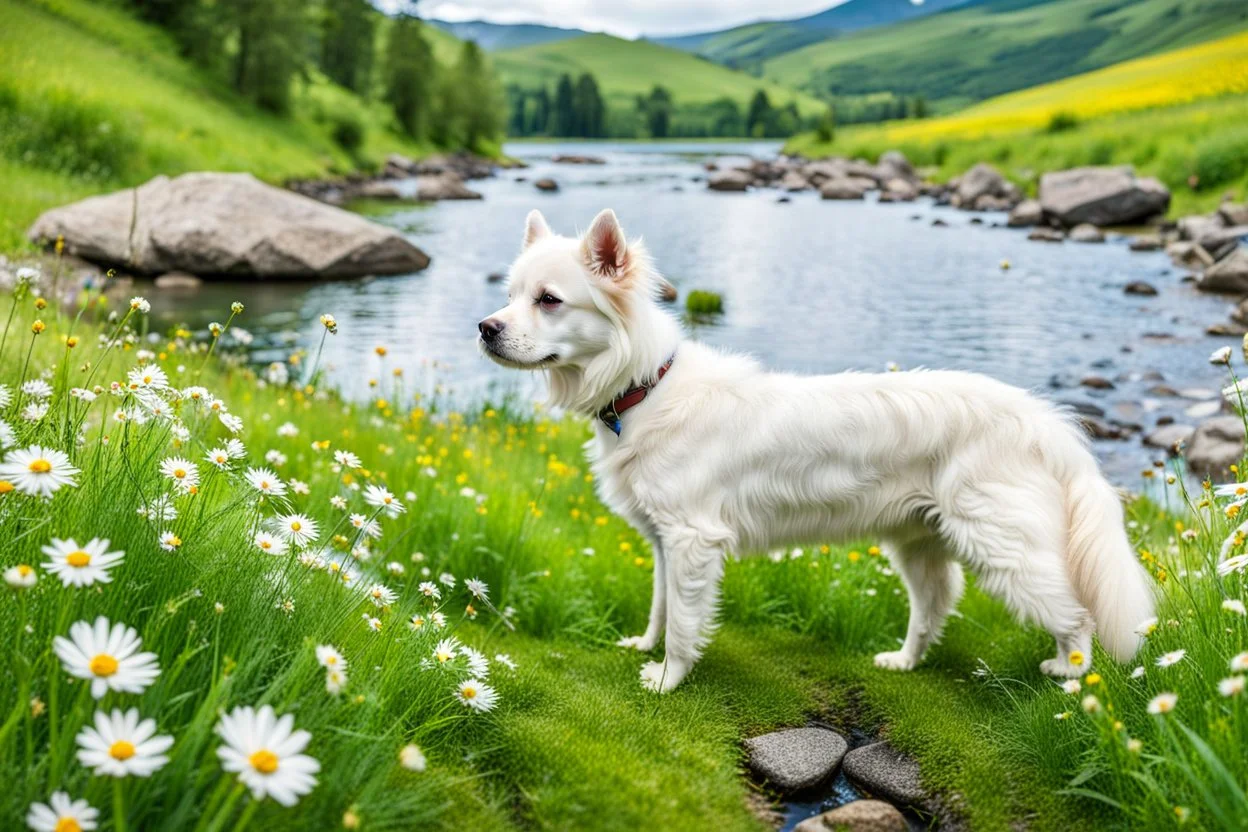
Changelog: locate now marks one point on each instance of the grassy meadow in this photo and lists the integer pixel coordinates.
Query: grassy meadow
(475, 627)
(1180, 116)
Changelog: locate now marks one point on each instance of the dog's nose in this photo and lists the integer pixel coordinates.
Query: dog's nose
(490, 328)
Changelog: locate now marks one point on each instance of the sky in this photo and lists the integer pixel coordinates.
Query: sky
(625, 18)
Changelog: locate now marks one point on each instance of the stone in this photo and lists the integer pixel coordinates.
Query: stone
(792, 181)
(1216, 444)
(857, 816)
(900, 189)
(546, 184)
(1228, 275)
(981, 180)
(1223, 241)
(1139, 287)
(845, 187)
(797, 758)
(178, 281)
(1196, 226)
(1203, 410)
(1169, 436)
(398, 166)
(1099, 428)
(577, 159)
(1234, 214)
(1189, 255)
(1025, 214)
(1145, 242)
(1046, 235)
(443, 186)
(881, 771)
(893, 164)
(495, 277)
(988, 202)
(1102, 196)
(1096, 383)
(217, 224)
(1240, 313)
(729, 180)
(377, 189)
(1221, 329)
(1086, 233)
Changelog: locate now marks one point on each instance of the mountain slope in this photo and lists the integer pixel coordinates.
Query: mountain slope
(625, 69)
(997, 46)
(749, 44)
(495, 36)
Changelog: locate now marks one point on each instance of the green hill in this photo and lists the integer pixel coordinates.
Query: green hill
(625, 69)
(997, 46)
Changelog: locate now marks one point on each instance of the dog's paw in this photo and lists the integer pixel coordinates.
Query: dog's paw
(896, 660)
(638, 643)
(661, 677)
(1062, 669)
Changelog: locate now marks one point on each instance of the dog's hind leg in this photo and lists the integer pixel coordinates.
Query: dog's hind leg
(694, 566)
(658, 604)
(934, 580)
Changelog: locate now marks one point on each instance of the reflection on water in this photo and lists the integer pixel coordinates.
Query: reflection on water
(809, 285)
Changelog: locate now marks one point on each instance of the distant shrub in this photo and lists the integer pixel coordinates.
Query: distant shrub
(1220, 159)
(57, 131)
(347, 131)
(1061, 121)
(1102, 151)
(701, 303)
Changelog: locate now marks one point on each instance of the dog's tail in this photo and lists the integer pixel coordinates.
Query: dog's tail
(1107, 576)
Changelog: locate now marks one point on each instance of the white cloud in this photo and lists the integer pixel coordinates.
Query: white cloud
(625, 18)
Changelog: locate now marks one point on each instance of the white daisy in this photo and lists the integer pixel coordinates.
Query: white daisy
(1072, 686)
(438, 619)
(445, 650)
(37, 470)
(270, 544)
(275, 458)
(159, 510)
(505, 660)
(383, 499)
(338, 502)
(477, 588)
(1239, 662)
(298, 529)
(1138, 673)
(197, 394)
(8, 437)
(232, 423)
(478, 664)
(1171, 658)
(265, 751)
(382, 596)
(447, 580)
(298, 486)
(121, 746)
(477, 695)
(235, 449)
(140, 304)
(342, 568)
(1221, 356)
(22, 576)
(372, 622)
(81, 565)
(60, 814)
(1146, 627)
(335, 681)
(266, 482)
(6, 396)
(34, 411)
(1234, 605)
(412, 758)
(147, 377)
(185, 474)
(347, 459)
(219, 457)
(369, 527)
(430, 590)
(170, 542)
(329, 657)
(1233, 686)
(108, 655)
(38, 388)
(1162, 703)
(287, 429)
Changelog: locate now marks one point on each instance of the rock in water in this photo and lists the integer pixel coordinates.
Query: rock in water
(1216, 445)
(443, 186)
(546, 185)
(981, 180)
(1229, 275)
(1139, 287)
(226, 224)
(1168, 437)
(845, 187)
(880, 770)
(796, 759)
(730, 180)
(858, 816)
(1025, 214)
(1086, 232)
(1101, 196)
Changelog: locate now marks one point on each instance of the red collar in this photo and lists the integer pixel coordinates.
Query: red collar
(610, 415)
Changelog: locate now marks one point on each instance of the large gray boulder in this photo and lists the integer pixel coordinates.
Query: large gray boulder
(1101, 196)
(1170, 437)
(1228, 275)
(1233, 213)
(796, 759)
(1025, 214)
(216, 224)
(1217, 444)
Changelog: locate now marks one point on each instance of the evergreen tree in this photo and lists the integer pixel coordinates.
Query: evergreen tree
(271, 40)
(409, 75)
(657, 110)
(540, 123)
(564, 116)
(347, 43)
(590, 111)
(477, 99)
(759, 116)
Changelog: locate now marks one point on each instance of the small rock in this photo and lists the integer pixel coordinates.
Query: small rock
(574, 159)
(939, 223)
(1026, 213)
(1145, 242)
(796, 759)
(1203, 410)
(881, 771)
(1085, 408)
(1216, 445)
(1046, 235)
(1228, 329)
(495, 277)
(1096, 383)
(1139, 287)
(546, 184)
(1100, 429)
(729, 180)
(1234, 214)
(1164, 390)
(845, 187)
(1169, 436)
(1189, 255)
(858, 816)
(1085, 232)
(176, 281)
(1199, 394)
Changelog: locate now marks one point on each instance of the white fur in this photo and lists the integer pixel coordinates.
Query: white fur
(725, 458)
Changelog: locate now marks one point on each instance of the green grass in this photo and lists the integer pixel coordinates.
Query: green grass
(626, 69)
(137, 109)
(502, 494)
(992, 48)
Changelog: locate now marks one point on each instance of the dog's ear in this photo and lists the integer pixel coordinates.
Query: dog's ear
(535, 228)
(604, 247)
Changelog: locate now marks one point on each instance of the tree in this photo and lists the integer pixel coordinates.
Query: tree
(409, 75)
(540, 122)
(590, 111)
(271, 40)
(656, 109)
(476, 97)
(918, 107)
(826, 130)
(347, 43)
(564, 115)
(759, 116)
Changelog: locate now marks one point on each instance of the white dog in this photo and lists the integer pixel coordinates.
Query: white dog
(707, 454)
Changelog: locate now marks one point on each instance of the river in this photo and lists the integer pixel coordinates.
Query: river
(808, 285)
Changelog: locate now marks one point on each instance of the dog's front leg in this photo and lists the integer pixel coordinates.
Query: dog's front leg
(694, 565)
(658, 605)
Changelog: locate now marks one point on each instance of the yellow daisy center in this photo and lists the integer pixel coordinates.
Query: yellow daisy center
(147, 379)
(24, 570)
(40, 466)
(469, 692)
(180, 473)
(266, 544)
(263, 761)
(1076, 657)
(67, 824)
(121, 750)
(264, 484)
(78, 559)
(5, 486)
(103, 665)
(296, 526)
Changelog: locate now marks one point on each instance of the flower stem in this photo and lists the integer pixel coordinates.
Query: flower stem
(119, 806)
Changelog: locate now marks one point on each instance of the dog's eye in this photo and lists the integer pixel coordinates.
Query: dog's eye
(549, 301)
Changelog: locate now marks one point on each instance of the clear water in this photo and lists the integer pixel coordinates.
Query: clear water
(809, 285)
